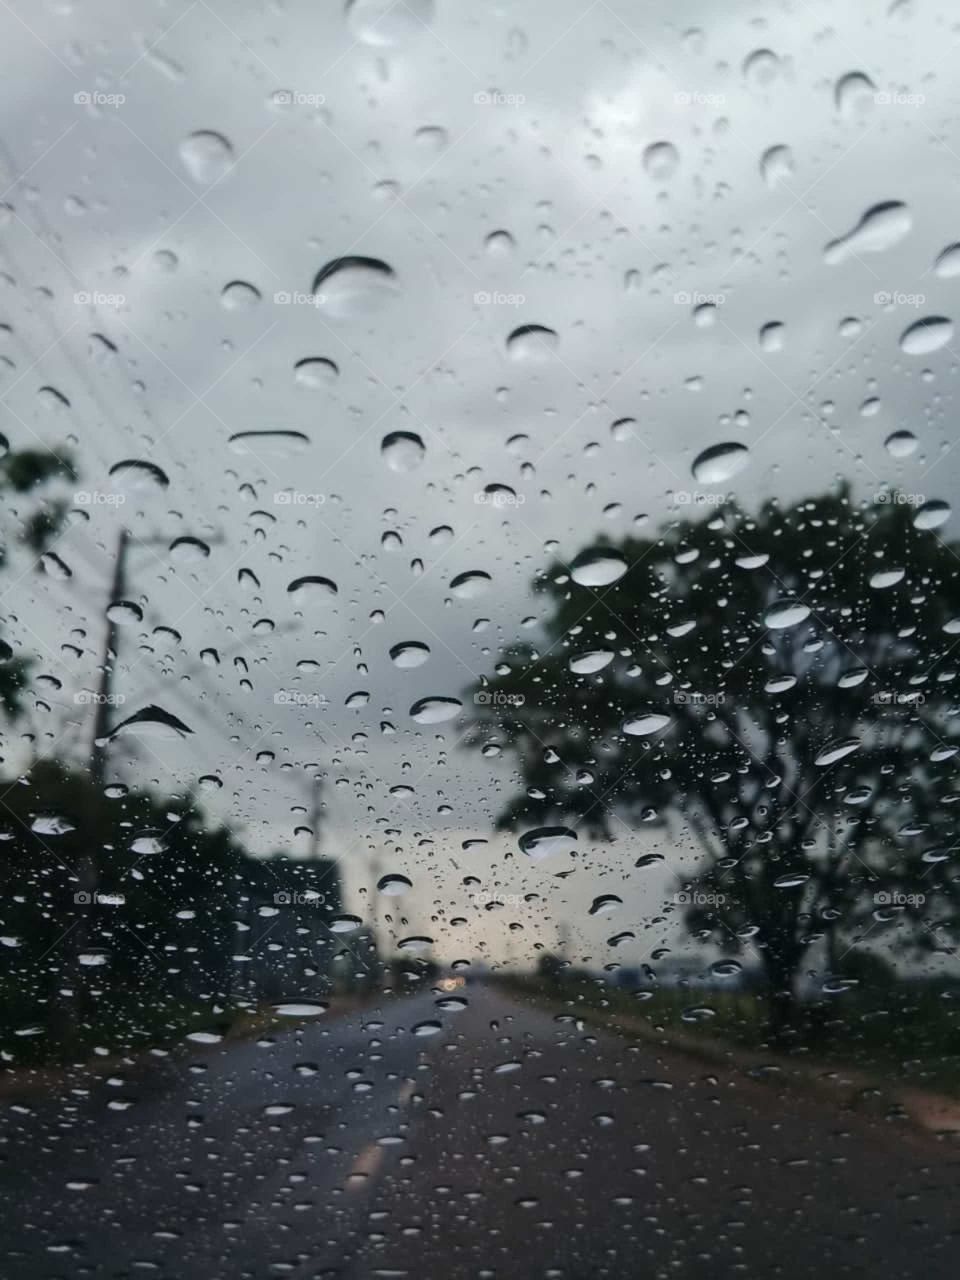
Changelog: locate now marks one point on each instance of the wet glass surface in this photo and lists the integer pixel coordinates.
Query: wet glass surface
(479, 623)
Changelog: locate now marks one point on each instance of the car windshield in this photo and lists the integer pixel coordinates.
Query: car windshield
(479, 624)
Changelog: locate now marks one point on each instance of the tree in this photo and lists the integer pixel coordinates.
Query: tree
(778, 685)
(23, 473)
(183, 924)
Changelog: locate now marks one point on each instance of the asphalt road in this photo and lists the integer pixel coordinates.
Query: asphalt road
(508, 1144)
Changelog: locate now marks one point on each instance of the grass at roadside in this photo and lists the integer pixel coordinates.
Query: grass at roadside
(902, 1036)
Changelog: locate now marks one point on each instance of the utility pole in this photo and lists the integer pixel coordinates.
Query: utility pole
(111, 643)
(315, 818)
(101, 715)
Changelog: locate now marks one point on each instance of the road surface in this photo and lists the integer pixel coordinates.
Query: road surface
(508, 1144)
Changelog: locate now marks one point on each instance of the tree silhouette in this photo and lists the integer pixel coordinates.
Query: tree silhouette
(183, 923)
(778, 686)
(22, 473)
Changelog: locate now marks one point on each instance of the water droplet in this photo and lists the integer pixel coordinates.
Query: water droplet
(532, 343)
(51, 824)
(644, 726)
(312, 590)
(55, 567)
(402, 450)
(315, 372)
(409, 654)
(885, 578)
(776, 165)
(345, 924)
(586, 664)
(418, 945)
(435, 710)
(467, 586)
(660, 161)
(499, 244)
(761, 68)
(787, 613)
(276, 444)
(793, 880)
(189, 550)
(947, 265)
(203, 1037)
(354, 288)
(901, 444)
(428, 1028)
(720, 463)
(926, 335)
(837, 751)
(780, 684)
(206, 156)
(605, 904)
(166, 260)
(431, 137)
(771, 336)
(300, 1009)
(698, 1013)
(239, 296)
(148, 844)
(544, 842)
(854, 93)
(124, 613)
(880, 228)
(140, 476)
(151, 722)
(598, 568)
(394, 886)
(752, 562)
(932, 514)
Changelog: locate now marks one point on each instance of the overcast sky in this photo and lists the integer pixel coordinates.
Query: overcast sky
(414, 142)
